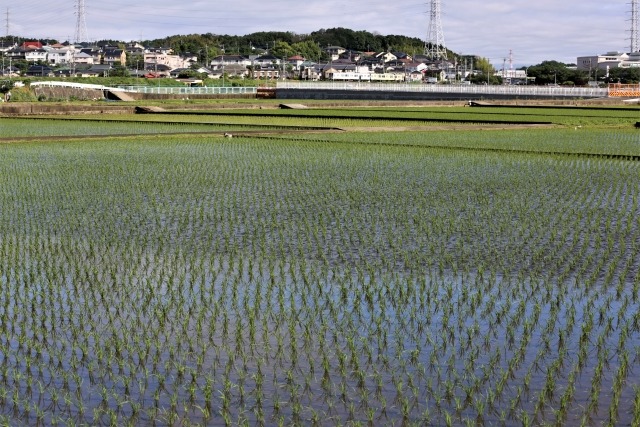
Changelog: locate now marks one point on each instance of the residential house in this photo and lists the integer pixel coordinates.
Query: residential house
(39, 71)
(10, 71)
(15, 53)
(175, 73)
(266, 73)
(32, 45)
(159, 70)
(98, 70)
(295, 62)
(334, 52)
(35, 55)
(311, 71)
(93, 52)
(58, 56)
(384, 57)
(351, 55)
(5, 46)
(402, 56)
(83, 58)
(160, 50)
(189, 59)
(113, 55)
(206, 70)
(226, 60)
(414, 76)
(331, 70)
(266, 61)
(159, 58)
(134, 48)
(233, 70)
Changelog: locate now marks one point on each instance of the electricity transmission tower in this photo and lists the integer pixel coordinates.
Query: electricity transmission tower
(81, 24)
(635, 42)
(434, 47)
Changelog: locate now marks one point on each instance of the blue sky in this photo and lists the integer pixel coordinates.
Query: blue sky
(533, 31)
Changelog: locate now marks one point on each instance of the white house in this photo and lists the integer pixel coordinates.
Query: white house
(227, 60)
(60, 56)
(83, 58)
(172, 61)
(35, 55)
(334, 52)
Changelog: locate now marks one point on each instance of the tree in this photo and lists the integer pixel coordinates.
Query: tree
(624, 75)
(484, 66)
(307, 49)
(190, 74)
(6, 86)
(282, 50)
(119, 70)
(135, 61)
(550, 72)
(483, 79)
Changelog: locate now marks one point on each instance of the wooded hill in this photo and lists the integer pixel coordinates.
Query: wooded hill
(302, 44)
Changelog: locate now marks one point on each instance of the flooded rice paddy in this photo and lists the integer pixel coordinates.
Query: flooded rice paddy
(207, 281)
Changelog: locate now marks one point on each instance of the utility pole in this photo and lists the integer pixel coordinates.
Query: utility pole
(7, 23)
(222, 65)
(511, 73)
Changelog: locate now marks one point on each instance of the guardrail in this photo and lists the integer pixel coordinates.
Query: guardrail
(197, 90)
(512, 90)
(71, 85)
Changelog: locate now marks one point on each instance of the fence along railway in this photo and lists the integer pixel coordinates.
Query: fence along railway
(362, 90)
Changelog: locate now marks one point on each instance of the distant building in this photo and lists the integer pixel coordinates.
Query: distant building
(334, 52)
(632, 62)
(601, 62)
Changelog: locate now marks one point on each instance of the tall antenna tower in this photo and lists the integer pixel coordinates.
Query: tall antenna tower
(7, 23)
(81, 24)
(635, 42)
(434, 47)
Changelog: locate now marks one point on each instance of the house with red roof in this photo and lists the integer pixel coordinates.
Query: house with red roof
(31, 45)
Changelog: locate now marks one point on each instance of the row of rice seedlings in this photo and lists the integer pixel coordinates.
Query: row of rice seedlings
(270, 282)
(601, 142)
(52, 127)
(571, 117)
(284, 121)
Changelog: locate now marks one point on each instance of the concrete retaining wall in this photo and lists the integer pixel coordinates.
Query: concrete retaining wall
(397, 96)
(38, 108)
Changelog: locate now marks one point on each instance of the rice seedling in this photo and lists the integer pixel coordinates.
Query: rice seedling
(179, 280)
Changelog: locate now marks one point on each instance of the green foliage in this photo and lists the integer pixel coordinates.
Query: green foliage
(135, 61)
(282, 50)
(6, 86)
(554, 72)
(484, 66)
(624, 75)
(22, 94)
(308, 49)
(119, 70)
